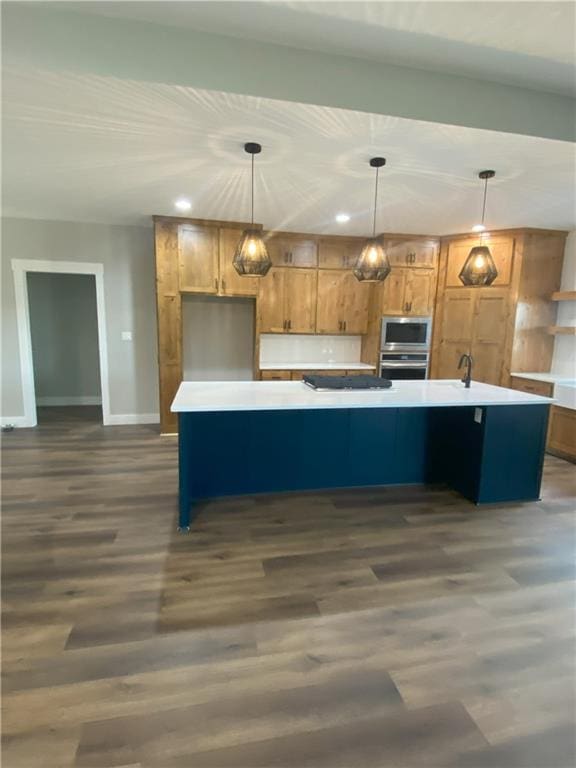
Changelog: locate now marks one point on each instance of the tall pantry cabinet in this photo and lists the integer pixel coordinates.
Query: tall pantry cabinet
(505, 326)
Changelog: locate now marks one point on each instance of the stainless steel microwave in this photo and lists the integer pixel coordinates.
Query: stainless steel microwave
(413, 333)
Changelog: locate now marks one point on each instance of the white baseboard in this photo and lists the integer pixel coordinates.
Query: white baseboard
(15, 421)
(81, 400)
(133, 418)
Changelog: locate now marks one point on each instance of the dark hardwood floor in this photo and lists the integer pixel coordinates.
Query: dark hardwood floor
(370, 629)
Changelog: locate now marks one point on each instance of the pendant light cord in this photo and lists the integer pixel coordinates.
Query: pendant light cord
(252, 195)
(484, 202)
(375, 203)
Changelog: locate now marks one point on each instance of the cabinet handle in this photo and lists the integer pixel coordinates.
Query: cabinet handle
(223, 285)
(284, 325)
(344, 324)
(216, 283)
(289, 325)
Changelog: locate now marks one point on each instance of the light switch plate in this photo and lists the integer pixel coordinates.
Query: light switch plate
(126, 335)
(478, 415)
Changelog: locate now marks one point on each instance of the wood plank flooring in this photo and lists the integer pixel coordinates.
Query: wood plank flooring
(357, 629)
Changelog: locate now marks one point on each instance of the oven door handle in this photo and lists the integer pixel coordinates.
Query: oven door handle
(404, 364)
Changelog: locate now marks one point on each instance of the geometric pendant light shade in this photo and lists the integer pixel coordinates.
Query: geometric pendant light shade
(251, 256)
(479, 267)
(373, 265)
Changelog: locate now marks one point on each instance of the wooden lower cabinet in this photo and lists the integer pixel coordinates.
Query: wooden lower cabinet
(275, 375)
(562, 432)
(532, 386)
(298, 375)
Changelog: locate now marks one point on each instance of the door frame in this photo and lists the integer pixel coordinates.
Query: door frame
(20, 268)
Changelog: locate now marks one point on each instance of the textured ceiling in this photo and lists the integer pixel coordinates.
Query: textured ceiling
(98, 149)
(524, 43)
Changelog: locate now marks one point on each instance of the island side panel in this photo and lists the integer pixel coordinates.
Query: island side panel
(513, 452)
(247, 452)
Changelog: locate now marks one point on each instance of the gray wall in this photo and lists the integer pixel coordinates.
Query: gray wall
(64, 330)
(127, 254)
(217, 338)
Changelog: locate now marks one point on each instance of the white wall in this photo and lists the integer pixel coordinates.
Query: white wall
(127, 254)
(564, 359)
(309, 348)
(64, 331)
(217, 338)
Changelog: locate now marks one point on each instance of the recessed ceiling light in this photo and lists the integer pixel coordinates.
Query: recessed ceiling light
(342, 218)
(478, 228)
(182, 204)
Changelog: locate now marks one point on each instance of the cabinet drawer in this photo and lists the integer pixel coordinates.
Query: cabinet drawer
(533, 387)
(275, 376)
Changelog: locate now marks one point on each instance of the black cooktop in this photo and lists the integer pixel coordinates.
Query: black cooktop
(347, 382)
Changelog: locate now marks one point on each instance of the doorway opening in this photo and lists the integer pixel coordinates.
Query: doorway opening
(62, 341)
(64, 334)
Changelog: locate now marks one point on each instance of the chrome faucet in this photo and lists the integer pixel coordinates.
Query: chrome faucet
(468, 361)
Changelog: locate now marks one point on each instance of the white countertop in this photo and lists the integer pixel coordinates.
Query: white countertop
(317, 367)
(284, 395)
(548, 378)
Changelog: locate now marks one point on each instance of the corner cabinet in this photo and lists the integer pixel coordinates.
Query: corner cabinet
(287, 301)
(503, 326)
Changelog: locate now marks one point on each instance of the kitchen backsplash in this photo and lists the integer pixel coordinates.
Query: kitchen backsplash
(306, 348)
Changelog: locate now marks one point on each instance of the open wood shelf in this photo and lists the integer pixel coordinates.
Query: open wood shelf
(567, 330)
(564, 296)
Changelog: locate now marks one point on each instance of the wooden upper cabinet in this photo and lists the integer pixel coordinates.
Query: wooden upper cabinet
(502, 250)
(198, 258)
(287, 301)
(354, 301)
(292, 251)
(408, 292)
(419, 296)
(394, 292)
(328, 318)
(338, 252)
(231, 283)
(300, 288)
(412, 253)
(271, 316)
(342, 303)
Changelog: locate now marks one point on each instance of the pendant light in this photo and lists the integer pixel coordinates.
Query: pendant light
(373, 264)
(479, 267)
(251, 256)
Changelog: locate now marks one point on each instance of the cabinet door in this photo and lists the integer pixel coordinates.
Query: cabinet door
(287, 251)
(198, 258)
(412, 253)
(502, 250)
(300, 288)
(458, 315)
(419, 295)
(449, 354)
(489, 335)
(271, 316)
(328, 317)
(562, 432)
(353, 301)
(394, 293)
(338, 253)
(231, 283)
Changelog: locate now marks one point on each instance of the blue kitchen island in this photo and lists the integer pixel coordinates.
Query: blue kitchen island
(240, 437)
